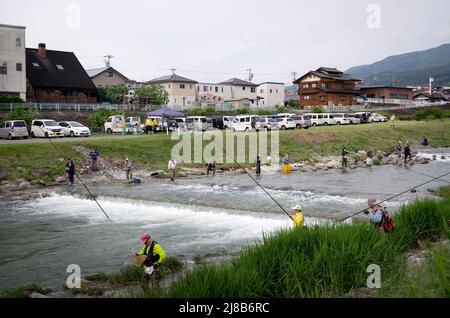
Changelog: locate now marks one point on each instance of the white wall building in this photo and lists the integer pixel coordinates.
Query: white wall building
(13, 80)
(271, 93)
(181, 90)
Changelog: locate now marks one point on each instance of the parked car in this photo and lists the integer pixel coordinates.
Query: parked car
(244, 123)
(301, 121)
(363, 116)
(341, 119)
(374, 117)
(199, 123)
(354, 119)
(286, 115)
(73, 128)
(113, 124)
(181, 122)
(13, 128)
(318, 119)
(228, 121)
(130, 122)
(45, 128)
(267, 122)
(286, 123)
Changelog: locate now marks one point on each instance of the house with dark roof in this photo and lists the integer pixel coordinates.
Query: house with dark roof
(106, 76)
(57, 77)
(327, 86)
(181, 90)
(386, 92)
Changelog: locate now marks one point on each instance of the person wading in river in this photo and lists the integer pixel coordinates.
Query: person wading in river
(407, 152)
(344, 157)
(172, 166)
(70, 168)
(128, 169)
(258, 164)
(155, 257)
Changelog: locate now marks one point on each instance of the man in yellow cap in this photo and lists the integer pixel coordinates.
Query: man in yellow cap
(392, 120)
(297, 217)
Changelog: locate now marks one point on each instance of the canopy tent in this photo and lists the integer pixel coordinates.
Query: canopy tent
(166, 112)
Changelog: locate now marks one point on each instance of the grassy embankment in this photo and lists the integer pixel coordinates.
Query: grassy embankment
(154, 151)
(332, 261)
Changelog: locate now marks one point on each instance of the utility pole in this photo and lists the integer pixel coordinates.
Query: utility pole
(173, 70)
(250, 75)
(294, 75)
(108, 60)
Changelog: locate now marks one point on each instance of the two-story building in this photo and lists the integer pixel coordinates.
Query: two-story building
(57, 77)
(386, 92)
(327, 86)
(106, 76)
(239, 93)
(271, 94)
(181, 90)
(12, 61)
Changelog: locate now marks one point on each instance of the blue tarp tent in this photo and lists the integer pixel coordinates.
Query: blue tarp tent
(166, 112)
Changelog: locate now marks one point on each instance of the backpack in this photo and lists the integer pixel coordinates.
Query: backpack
(387, 222)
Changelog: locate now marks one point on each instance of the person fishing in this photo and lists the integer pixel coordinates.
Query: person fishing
(128, 167)
(258, 164)
(70, 168)
(399, 149)
(379, 217)
(155, 257)
(424, 141)
(344, 157)
(407, 152)
(297, 217)
(172, 166)
(94, 156)
(211, 167)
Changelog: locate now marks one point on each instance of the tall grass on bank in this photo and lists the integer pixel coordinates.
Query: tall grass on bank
(318, 261)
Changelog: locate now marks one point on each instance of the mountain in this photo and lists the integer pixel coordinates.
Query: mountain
(407, 69)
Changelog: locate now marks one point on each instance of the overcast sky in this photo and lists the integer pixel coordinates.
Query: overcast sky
(210, 40)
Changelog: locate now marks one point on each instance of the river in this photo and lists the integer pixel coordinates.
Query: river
(209, 216)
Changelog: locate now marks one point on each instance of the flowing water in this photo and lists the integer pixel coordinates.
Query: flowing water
(212, 216)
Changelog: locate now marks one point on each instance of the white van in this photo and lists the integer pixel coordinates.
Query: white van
(130, 122)
(13, 128)
(46, 128)
(199, 123)
(286, 115)
(342, 119)
(113, 124)
(318, 119)
(228, 121)
(244, 123)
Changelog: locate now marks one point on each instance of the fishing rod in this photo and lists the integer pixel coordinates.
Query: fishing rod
(259, 184)
(84, 185)
(427, 175)
(399, 194)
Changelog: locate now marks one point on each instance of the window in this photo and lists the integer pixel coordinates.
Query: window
(306, 97)
(324, 85)
(261, 91)
(169, 85)
(243, 88)
(182, 86)
(253, 90)
(205, 88)
(18, 42)
(341, 97)
(19, 67)
(109, 74)
(222, 89)
(305, 86)
(276, 91)
(190, 86)
(4, 68)
(271, 91)
(216, 89)
(313, 85)
(322, 98)
(60, 67)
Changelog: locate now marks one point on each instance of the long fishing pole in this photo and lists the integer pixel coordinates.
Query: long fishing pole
(245, 170)
(399, 194)
(84, 185)
(427, 175)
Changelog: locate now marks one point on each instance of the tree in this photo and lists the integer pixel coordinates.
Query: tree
(153, 94)
(318, 109)
(10, 99)
(20, 113)
(293, 103)
(201, 111)
(280, 109)
(98, 119)
(114, 94)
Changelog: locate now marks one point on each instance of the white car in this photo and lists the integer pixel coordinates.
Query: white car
(268, 123)
(342, 119)
(245, 123)
(286, 123)
(73, 128)
(46, 128)
(374, 117)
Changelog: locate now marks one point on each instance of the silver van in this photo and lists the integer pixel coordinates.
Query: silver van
(13, 128)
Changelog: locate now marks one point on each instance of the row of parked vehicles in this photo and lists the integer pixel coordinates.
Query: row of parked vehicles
(43, 128)
(114, 124)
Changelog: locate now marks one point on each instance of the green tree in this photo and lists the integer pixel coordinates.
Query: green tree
(114, 93)
(98, 119)
(20, 113)
(280, 109)
(293, 103)
(10, 99)
(201, 111)
(153, 94)
(318, 109)
(242, 111)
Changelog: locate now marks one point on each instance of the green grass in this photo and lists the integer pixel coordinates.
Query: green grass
(24, 292)
(153, 152)
(317, 261)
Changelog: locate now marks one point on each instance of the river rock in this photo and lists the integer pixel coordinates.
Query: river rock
(423, 160)
(333, 164)
(353, 166)
(362, 153)
(4, 183)
(60, 179)
(414, 263)
(24, 185)
(19, 181)
(38, 295)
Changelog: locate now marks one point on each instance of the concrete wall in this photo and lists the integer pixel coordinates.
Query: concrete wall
(13, 53)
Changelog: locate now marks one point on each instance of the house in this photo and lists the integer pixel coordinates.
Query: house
(106, 76)
(57, 77)
(13, 79)
(210, 95)
(237, 89)
(386, 92)
(181, 90)
(426, 97)
(327, 86)
(271, 94)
